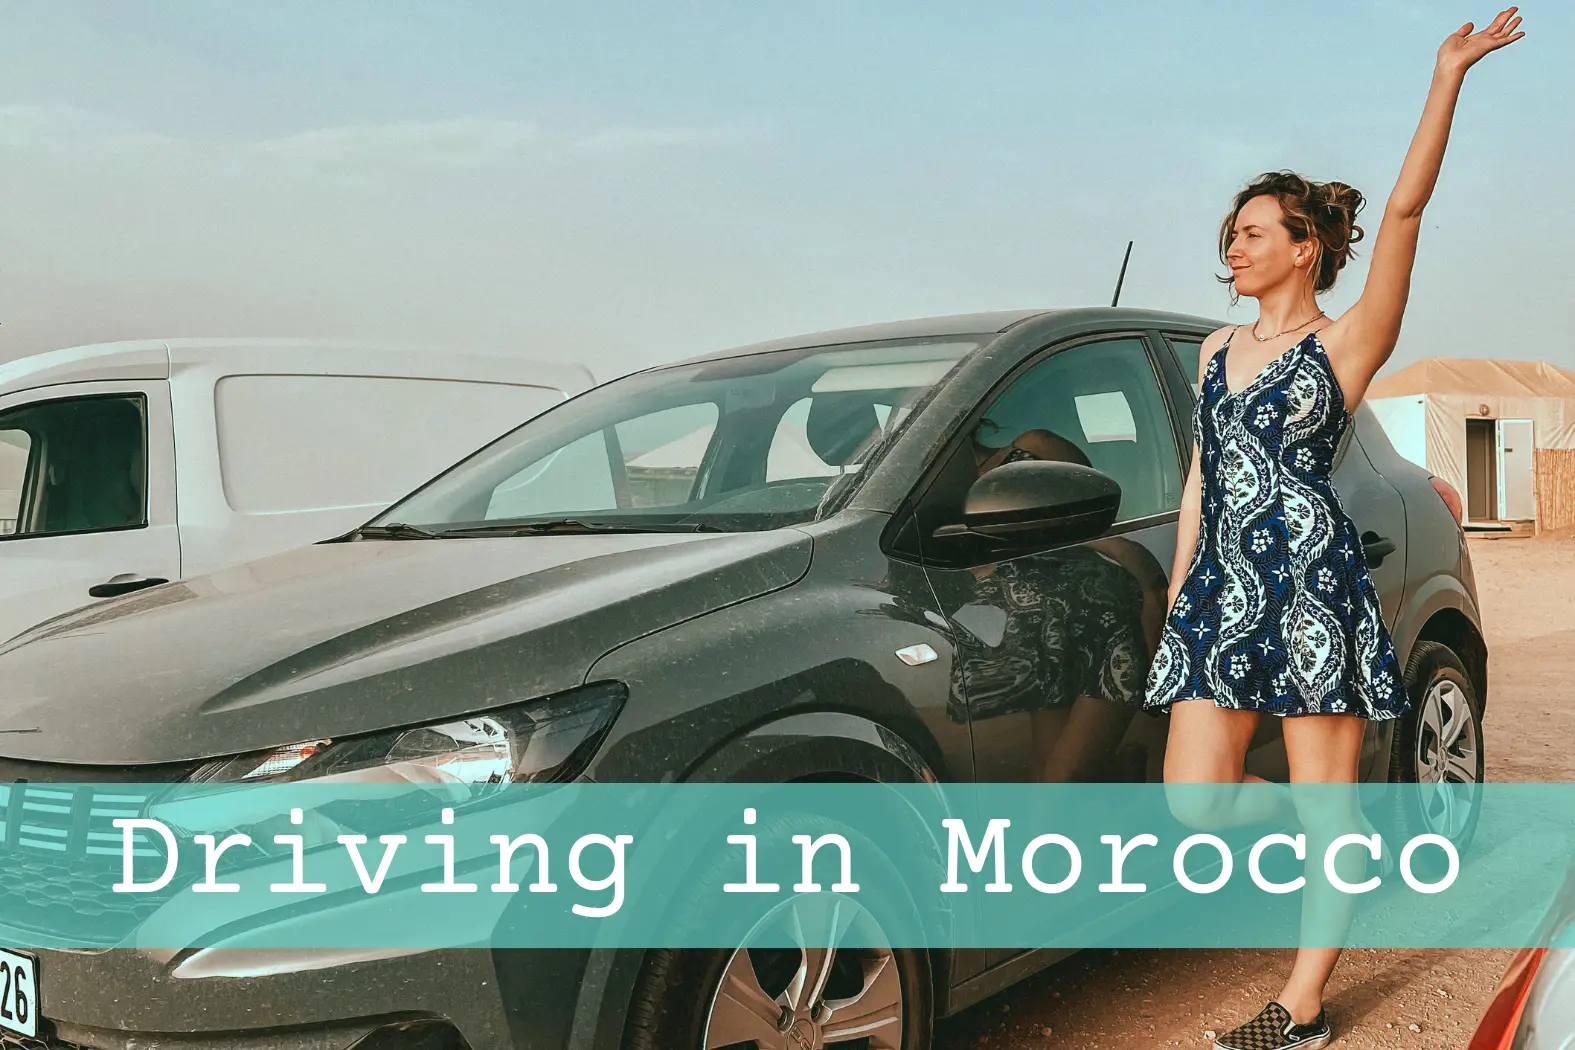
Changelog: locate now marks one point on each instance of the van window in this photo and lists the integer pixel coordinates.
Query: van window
(299, 442)
(73, 465)
(14, 445)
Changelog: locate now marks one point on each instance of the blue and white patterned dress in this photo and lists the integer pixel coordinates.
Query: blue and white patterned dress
(1278, 612)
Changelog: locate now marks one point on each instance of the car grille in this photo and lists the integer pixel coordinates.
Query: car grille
(60, 856)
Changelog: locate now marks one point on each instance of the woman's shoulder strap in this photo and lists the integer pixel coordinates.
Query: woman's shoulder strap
(1229, 332)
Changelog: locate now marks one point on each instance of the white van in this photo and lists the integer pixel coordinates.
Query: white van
(128, 464)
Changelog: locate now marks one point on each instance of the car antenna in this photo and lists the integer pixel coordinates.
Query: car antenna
(1122, 275)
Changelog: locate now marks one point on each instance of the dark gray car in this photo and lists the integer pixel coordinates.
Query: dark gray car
(934, 549)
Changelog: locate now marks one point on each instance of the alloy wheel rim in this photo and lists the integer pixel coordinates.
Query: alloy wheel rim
(783, 989)
(1448, 748)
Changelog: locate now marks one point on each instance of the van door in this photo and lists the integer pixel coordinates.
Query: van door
(87, 497)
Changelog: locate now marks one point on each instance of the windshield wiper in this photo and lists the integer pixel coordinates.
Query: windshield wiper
(540, 528)
(395, 530)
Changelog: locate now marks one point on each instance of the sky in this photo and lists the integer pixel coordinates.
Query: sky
(623, 184)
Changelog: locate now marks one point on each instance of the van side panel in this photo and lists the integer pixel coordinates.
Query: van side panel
(292, 443)
(271, 459)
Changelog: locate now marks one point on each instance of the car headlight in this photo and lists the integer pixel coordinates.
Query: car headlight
(542, 740)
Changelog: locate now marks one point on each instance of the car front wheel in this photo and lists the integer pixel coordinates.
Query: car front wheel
(804, 976)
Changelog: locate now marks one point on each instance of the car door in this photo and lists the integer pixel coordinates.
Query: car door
(1054, 645)
(87, 501)
(1378, 510)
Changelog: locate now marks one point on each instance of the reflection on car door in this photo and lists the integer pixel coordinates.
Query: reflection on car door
(1054, 645)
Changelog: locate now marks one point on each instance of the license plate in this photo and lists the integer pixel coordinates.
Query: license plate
(18, 993)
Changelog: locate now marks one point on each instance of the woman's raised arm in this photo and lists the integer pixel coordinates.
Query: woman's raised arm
(1366, 334)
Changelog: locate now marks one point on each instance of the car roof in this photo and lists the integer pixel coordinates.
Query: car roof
(986, 323)
(148, 359)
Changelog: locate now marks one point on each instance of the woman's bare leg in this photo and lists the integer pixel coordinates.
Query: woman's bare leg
(1324, 749)
(1208, 745)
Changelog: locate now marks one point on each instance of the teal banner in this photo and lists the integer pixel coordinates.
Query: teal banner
(416, 866)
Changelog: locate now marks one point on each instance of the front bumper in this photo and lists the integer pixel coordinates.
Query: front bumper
(109, 993)
(128, 999)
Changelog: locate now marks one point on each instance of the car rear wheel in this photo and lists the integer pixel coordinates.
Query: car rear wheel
(1439, 747)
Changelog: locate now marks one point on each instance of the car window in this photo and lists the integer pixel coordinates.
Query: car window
(1188, 350)
(793, 456)
(756, 441)
(73, 465)
(648, 461)
(1101, 402)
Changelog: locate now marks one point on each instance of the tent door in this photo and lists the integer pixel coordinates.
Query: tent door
(1517, 493)
(1481, 470)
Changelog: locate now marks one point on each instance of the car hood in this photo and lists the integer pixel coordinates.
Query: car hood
(343, 638)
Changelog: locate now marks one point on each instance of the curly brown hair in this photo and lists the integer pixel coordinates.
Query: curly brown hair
(1324, 211)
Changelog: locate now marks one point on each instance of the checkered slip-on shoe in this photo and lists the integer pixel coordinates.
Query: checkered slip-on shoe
(1273, 1029)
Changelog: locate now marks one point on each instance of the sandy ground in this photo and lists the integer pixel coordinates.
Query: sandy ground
(1133, 1000)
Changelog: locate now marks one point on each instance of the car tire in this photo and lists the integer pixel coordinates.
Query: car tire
(678, 1005)
(1438, 742)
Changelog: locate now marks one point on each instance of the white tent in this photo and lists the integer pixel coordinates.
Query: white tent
(1500, 432)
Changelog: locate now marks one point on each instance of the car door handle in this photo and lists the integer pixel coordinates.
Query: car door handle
(125, 583)
(1376, 547)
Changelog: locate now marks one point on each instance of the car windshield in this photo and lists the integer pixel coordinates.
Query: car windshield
(745, 443)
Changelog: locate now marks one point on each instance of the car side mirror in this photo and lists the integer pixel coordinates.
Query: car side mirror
(1039, 503)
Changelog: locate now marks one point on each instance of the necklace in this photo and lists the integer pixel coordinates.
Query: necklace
(1276, 335)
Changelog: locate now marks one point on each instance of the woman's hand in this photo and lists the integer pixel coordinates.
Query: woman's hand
(1361, 341)
(1462, 49)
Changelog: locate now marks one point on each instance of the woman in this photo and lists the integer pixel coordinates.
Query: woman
(1272, 609)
